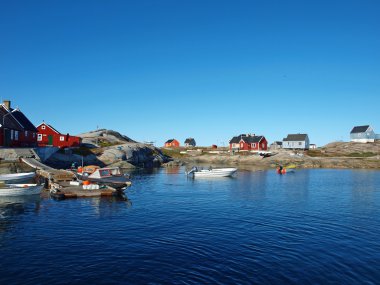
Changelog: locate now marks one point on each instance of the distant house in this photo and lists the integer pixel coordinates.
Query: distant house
(362, 134)
(172, 143)
(214, 146)
(190, 142)
(312, 146)
(248, 142)
(49, 136)
(15, 128)
(296, 141)
(276, 145)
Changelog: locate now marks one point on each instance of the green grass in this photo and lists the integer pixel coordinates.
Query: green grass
(363, 154)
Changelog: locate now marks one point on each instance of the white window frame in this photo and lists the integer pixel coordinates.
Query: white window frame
(62, 138)
(39, 137)
(253, 145)
(43, 127)
(16, 135)
(12, 134)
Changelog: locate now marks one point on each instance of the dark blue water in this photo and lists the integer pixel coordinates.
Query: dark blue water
(310, 227)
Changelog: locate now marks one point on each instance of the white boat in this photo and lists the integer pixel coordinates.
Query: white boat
(17, 177)
(212, 172)
(20, 189)
(111, 176)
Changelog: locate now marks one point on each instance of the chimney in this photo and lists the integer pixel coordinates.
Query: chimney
(7, 104)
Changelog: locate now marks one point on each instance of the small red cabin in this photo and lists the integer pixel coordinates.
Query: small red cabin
(172, 143)
(49, 136)
(249, 143)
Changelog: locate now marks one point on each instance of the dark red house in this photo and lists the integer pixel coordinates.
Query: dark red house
(16, 130)
(49, 136)
(248, 142)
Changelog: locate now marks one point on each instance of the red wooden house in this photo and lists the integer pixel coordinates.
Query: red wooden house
(15, 128)
(172, 143)
(249, 142)
(49, 136)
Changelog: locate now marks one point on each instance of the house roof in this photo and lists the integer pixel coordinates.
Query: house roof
(23, 120)
(296, 137)
(359, 129)
(189, 140)
(170, 141)
(277, 142)
(246, 139)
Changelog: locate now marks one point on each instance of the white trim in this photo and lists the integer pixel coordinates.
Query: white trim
(39, 137)
(61, 138)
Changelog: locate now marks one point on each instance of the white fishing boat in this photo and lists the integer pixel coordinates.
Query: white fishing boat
(20, 189)
(111, 176)
(212, 172)
(17, 177)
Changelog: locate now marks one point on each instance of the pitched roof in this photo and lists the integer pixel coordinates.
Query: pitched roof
(189, 140)
(359, 129)
(246, 139)
(296, 137)
(170, 141)
(23, 120)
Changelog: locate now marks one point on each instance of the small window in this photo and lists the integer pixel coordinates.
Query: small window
(299, 143)
(34, 135)
(39, 137)
(253, 145)
(16, 135)
(12, 134)
(43, 127)
(62, 138)
(26, 134)
(263, 145)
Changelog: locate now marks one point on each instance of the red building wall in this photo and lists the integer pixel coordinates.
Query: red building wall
(262, 146)
(174, 143)
(50, 137)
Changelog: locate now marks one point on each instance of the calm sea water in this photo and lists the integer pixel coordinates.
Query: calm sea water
(310, 227)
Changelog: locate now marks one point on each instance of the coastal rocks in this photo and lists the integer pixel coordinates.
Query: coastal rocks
(139, 155)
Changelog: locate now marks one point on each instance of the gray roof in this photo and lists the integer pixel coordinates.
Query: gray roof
(295, 137)
(190, 140)
(23, 120)
(359, 129)
(247, 139)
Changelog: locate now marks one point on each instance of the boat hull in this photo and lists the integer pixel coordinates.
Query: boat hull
(218, 172)
(15, 178)
(21, 190)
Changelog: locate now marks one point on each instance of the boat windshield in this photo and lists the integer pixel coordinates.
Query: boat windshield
(105, 172)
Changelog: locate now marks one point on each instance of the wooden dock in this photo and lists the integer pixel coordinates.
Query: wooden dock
(54, 175)
(65, 190)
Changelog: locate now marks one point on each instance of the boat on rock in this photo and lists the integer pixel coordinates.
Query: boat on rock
(211, 172)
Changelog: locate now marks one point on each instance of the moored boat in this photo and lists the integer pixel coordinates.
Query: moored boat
(20, 189)
(212, 172)
(110, 176)
(17, 177)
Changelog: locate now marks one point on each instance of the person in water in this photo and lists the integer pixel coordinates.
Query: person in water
(280, 169)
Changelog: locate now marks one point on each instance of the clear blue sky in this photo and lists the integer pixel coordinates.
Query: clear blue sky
(155, 70)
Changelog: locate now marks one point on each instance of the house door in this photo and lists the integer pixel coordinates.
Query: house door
(50, 140)
(7, 137)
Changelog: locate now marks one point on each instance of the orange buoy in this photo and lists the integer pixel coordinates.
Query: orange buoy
(86, 182)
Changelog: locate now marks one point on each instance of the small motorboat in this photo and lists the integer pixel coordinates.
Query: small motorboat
(20, 189)
(17, 177)
(110, 176)
(211, 172)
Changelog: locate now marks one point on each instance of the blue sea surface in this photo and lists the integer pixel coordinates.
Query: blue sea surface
(308, 227)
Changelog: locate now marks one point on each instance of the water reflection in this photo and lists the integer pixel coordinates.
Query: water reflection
(11, 207)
